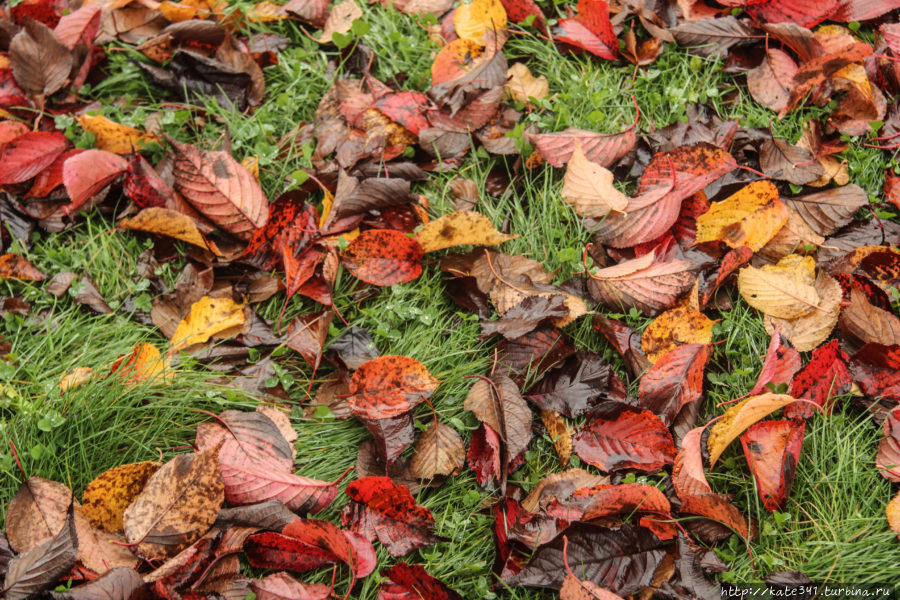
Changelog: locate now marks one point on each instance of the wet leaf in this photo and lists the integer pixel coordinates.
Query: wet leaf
(389, 386)
(522, 85)
(719, 509)
(207, 317)
(623, 437)
(163, 221)
(779, 366)
(888, 458)
(772, 449)
(458, 229)
(387, 512)
(439, 451)
(772, 82)
(476, 18)
(811, 329)
(281, 586)
(559, 432)
(29, 154)
(751, 217)
(576, 385)
(383, 257)
(588, 187)
(688, 477)
(412, 582)
(340, 19)
(646, 284)
(826, 212)
(603, 149)
(306, 335)
(780, 160)
(865, 323)
(178, 504)
(875, 368)
(674, 381)
(820, 380)
(740, 417)
(119, 583)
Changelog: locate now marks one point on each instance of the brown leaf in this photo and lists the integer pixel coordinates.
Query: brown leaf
(507, 414)
(559, 486)
(38, 569)
(439, 451)
(826, 212)
(772, 81)
(780, 160)
(36, 513)
(109, 494)
(864, 323)
(340, 19)
(642, 283)
(177, 506)
(100, 551)
(40, 63)
(522, 85)
(576, 589)
(306, 335)
(811, 329)
(16, 266)
(559, 433)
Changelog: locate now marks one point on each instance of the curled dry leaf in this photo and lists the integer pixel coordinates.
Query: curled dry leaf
(383, 257)
(588, 187)
(207, 317)
(439, 451)
(522, 86)
(460, 228)
(110, 493)
(751, 217)
(178, 504)
(738, 418)
(389, 386)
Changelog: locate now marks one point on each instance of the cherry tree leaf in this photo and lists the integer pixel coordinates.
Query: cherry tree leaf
(772, 449)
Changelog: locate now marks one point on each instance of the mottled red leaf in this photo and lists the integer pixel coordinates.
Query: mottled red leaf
(87, 173)
(483, 456)
(873, 294)
(876, 368)
(773, 449)
(388, 512)
(406, 108)
(143, 185)
(674, 380)
(270, 550)
(383, 257)
(623, 437)
(356, 553)
(824, 377)
(389, 386)
(29, 154)
(779, 367)
(10, 130)
(519, 10)
(412, 582)
(292, 225)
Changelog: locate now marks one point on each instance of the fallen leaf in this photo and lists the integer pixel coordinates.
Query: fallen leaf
(40, 63)
(522, 86)
(110, 493)
(27, 155)
(646, 284)
(893, 514)
(603, 149)
(624, 437)
(170, 223)
(675, 380)
(688, 477)
(114, 137)
(576, 385)
(780, 160)
(476, 18)
(383, 257)
(784, 290)
(772, 449)
(865, 323)
(207, 317)
(36, 513)
(458, 229)
(340, 19)
(679, 325)
(87, 173)
(751, 217)
(808, 331)
(888, 458)
(439, 451)
(826, 212)
(498, 404)
(588, 187)
(559, 433)
(16, 266)
(412, 582)
(37, 570)
(740, 417)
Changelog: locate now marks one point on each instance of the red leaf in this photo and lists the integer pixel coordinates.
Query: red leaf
(888, 458)
(731, 262)
(772, 449)
(10, 93)
(383, 257)
(483, 455)
(52, 177)
(406, 108)
(591, 29)
(10, 130)
(29, 154)
(685, 228)
(143, 185)
(874, 294)
(45, 11)
(270, 550)
(626, 341)
(623, 437)
(863, 10)
(412, 582)
(292, 225)
(388, 512)
(220, 188)
(824, 377)
(389, 386)
(781, 363)
(343, 544)
(87, 173)
(603, 149)
(392, 435)
(281, 586)
(876, 368)
(801, 12)
(610, 500)
(688, 477)
(79, 27)
(674, 380)
(519, 10)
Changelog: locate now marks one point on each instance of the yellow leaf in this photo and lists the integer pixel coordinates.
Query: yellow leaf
(751, 217)
(588, 187)
(114, 137)
(478, 17)
(784, 290)
(170, 223)
(106, 497)
(175, 13)
(522, 85)
(378, 127)
(208, 316)
(251, 163)
(679, 325)
(806, 333)
(265, 12)
(75, 377)
(892, 512)
(143, 362)
(460, 228)
(738, 418)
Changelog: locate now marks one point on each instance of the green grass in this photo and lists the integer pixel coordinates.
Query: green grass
(837, 507)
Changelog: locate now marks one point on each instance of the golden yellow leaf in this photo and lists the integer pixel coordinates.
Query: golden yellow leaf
(750, 217)
(806, 333)
(114, 137)
(106, 497)
(377, 127)
(142, 363)
(340, 19)
(588, 187)
(676, 326)
(521, 85)
(4, 62)
(892, 512)
(793, 237)
(265, 12)
(784, 290)
(738, 418)
(478, 17)
(462, 227)
(207, 317)
(175, 13)
(251, 163)
(75, 377)
(170, 223)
